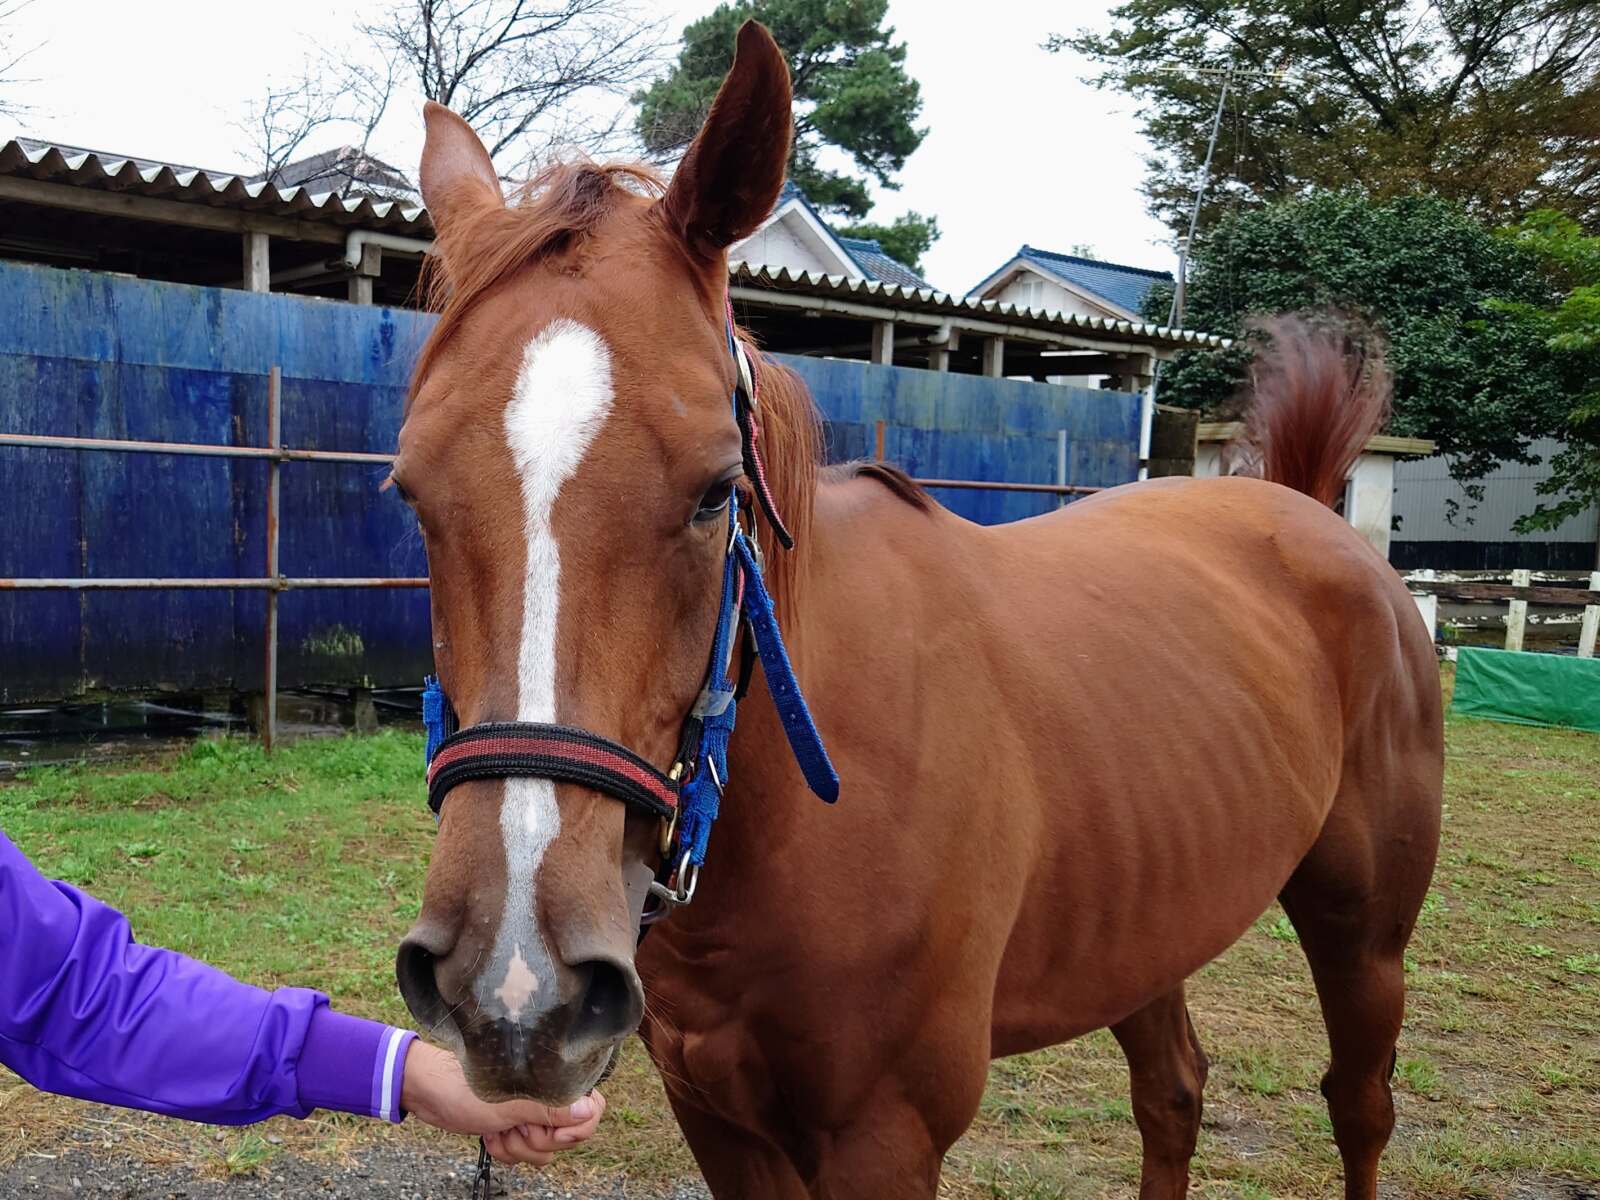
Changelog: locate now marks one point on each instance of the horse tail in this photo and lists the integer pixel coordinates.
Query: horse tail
(1319, 390)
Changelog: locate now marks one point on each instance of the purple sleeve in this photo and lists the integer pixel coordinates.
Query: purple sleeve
(86, 1011)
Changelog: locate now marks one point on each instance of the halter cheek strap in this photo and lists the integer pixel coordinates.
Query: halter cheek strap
(746, 411)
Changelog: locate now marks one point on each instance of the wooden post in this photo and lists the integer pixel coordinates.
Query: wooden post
(257, 262)
(1591, 621)
(269, 682)
(994, 357)
(877, 441)
(1517, 617)
(1428, 605)
(359, 289)
(939, 358)
(883, 343)
(365, 711)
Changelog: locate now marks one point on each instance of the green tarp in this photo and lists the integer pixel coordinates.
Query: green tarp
(1528, 688)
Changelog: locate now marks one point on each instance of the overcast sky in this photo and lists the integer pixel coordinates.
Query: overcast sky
(1018, 148)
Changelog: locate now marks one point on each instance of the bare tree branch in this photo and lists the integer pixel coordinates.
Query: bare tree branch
(514, 68)
(11, 57)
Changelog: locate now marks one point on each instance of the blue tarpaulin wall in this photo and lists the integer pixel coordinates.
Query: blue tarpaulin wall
(95, 355)
(944, 426)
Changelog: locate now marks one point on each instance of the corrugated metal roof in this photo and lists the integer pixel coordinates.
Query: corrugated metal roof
(30, 158)
(927, 300)
(78, 167)
(1434, 507)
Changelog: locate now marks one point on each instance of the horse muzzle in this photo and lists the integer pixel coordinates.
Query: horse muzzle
(548, 1035)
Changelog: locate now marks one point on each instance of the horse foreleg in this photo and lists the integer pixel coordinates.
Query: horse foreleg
(1167, 1070)
(737, 1164)
(887, 1154)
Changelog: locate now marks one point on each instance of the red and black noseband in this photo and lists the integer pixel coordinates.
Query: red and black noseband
(507, 749)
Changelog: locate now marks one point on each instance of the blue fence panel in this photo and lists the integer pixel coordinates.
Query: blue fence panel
(90, 354)
(93, 355)
(943, 426)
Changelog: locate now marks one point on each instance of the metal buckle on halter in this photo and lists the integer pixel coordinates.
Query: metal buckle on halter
(680, 886)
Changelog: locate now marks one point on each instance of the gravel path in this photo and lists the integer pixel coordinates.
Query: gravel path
(394, 1172)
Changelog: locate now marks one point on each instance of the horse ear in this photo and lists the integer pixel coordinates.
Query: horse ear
(457, 175)
(729, 180)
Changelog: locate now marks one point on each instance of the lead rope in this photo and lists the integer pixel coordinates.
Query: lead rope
(482, 1188)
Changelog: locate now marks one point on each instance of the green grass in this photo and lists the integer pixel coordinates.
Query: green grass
(303, 865)
(306, 867)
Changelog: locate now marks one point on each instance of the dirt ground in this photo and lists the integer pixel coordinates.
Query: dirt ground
(87, 1168)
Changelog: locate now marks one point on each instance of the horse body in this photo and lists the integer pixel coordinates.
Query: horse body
(1082, 754)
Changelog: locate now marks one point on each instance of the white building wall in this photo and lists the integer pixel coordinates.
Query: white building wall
(776, 245)
(1369, 499)
(1028, 290)
(1434, 508)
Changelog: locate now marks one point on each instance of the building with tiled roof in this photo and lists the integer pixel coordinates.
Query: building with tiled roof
(1045, 281)
(796, 238)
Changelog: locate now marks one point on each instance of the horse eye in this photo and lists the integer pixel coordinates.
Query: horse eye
(714, 501)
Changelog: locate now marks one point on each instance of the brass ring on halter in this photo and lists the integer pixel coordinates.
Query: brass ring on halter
(669, 826)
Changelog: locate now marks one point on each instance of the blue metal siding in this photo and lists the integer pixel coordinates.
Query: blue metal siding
(93, 355)
(945, 426)
(88, 354)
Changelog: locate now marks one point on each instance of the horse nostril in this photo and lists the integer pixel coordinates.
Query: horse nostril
(419, 985)
(612, 1002)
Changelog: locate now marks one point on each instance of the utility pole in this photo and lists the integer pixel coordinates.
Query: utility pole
(1176, 312)
(1227, 75)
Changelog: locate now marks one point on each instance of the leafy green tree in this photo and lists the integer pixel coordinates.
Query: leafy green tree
(907, 237)
(1492, 103)
(850, 86)
(1571, 327)
(1473, 368)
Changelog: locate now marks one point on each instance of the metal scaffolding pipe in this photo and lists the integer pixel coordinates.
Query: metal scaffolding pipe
(195, 449)
(248, 583)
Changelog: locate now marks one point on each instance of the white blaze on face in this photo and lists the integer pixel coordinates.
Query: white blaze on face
(561, 400)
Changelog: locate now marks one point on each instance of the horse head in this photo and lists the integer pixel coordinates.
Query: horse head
(570, 451)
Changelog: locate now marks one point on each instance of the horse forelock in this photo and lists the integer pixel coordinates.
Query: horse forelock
(551, 213)
(560, 209)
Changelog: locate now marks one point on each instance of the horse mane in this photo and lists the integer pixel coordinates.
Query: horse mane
(791, 443)
(549, 214)
(900, 484)
(1319, 390)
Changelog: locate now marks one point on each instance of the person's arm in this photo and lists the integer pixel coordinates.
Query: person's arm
(88, 1012)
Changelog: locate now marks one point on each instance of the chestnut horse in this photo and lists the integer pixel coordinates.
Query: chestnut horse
(1079, 754)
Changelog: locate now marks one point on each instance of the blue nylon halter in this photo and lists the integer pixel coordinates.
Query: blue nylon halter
(744, 596)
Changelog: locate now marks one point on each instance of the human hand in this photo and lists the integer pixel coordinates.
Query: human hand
(434, 1090)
